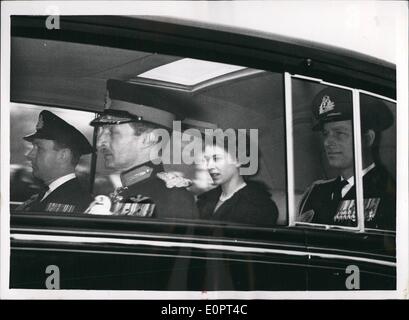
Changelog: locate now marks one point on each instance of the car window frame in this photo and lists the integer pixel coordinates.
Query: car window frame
(356, 94)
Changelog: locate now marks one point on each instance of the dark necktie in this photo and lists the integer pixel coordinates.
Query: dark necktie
(337, 190)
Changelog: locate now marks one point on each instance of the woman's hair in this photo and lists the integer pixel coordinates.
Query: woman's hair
(235, 142)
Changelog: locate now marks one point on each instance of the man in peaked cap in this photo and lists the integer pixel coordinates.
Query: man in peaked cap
(57, 148)
(128, 137)
(333, 201)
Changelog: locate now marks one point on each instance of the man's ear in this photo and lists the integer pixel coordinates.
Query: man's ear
(369, 138)
(64, 154)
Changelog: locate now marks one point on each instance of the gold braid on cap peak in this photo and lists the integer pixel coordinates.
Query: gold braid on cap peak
(145, 113)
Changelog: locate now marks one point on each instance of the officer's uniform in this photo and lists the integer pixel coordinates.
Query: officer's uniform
(145, 195)
(379, 202)
(70, 196)
(322, 202)
(144, 191)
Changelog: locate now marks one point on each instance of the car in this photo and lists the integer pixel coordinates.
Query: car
(237, 78)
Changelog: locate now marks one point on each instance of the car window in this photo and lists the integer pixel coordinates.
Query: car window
(380, 191)
(229, 97)
(251, 100)
(23, 121)
(226, 97)
(246, 99)
(326, 154)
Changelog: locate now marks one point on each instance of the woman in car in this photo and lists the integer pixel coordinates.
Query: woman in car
(236, 198)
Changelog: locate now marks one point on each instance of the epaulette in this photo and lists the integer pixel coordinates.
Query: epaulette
(136, 175)
(174, 179)
(308, 191)
(319, 182)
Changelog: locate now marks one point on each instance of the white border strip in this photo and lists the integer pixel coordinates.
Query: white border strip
(6, 13)
(402, 134)
(289, 145)
(398, 13)
(85, 240)
(197, 295)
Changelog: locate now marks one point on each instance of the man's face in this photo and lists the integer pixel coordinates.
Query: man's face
(44, 159)
(220, 165)
(119, 145)
(338, 144)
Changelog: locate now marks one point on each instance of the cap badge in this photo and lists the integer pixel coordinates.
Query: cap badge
(326, 105)
(40, 123)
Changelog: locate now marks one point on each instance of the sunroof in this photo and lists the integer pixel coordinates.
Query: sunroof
(189, 72)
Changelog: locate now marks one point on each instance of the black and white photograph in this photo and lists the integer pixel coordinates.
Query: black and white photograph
(204, 150)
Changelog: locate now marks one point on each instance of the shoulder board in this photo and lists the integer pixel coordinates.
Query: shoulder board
(319, 182)
(309, 190)
(135, 175)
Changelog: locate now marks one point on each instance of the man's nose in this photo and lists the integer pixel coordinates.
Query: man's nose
(328, 140)
(210, 164)
(101, 140)
(31, 154)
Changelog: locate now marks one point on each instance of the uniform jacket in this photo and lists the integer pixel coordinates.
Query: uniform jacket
(249, 205)
(379, 202)
(148, 188)
(69, 197)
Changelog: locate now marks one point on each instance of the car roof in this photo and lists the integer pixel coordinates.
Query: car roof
(102, 47)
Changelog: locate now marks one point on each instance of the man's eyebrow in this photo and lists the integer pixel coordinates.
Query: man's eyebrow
(337, 128)
(342, 129)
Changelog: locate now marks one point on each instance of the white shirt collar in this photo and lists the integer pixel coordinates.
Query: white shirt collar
(58, 182)
(351, 180)
(370, 167)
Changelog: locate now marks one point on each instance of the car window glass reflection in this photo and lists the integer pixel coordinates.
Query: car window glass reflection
(331, 200)
(379, 153)
(328, 195)
(51, 165)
